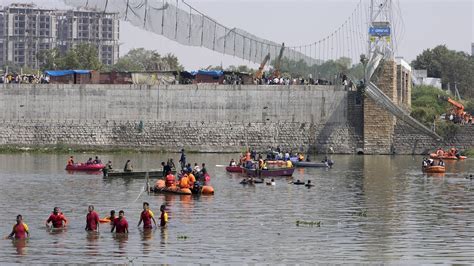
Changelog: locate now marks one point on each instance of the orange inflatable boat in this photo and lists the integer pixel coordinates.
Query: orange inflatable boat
(434, 169)
(446, 157)
(160, 187)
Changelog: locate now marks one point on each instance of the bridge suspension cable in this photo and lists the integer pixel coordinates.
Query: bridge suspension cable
(179, 21)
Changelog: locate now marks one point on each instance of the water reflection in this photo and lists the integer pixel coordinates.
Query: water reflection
(121, 239)
(373, 209)
(20, 246)
(163, 236)
(147, 237)
(92, 238)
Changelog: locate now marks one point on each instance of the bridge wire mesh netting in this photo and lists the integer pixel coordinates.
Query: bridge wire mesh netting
(181, 22)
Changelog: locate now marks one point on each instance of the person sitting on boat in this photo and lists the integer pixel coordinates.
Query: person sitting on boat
(300, 157)
(107, 168)
(184, 181)
(287, 156)
(308, 184)
(191, 178)
(90, 161)
(170, 179)
(441, 162)
(97, 160)
(128, 166)
(425, 162)
(70, 161)
(189, 169)
(171, 164)
(196, 168)
(203, 169)
(248, 156)
(232, 162)
(452, 152)
(289, 164)
(431, 162)
(439, 152)
(457, 154)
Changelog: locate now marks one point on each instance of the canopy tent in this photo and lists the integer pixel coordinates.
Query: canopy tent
(60, 73)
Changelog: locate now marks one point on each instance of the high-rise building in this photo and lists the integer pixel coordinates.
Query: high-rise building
(26, 31)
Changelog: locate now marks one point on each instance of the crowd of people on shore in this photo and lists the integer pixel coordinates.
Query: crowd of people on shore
(16, 78)
(464, 119)
(118, 224)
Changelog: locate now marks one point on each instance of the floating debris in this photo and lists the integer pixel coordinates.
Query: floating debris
(360, 213)
(309, 223)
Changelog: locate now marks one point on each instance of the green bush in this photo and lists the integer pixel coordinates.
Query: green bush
(428, 104)
(447, 129)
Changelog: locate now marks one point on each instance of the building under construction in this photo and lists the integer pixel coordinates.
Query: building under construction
(26, 31)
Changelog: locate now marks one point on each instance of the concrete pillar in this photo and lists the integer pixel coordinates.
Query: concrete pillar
(379, 124)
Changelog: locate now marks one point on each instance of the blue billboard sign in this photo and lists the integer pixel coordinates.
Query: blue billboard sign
(379, 31)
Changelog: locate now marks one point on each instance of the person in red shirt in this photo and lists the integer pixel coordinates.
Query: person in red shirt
(20, 229)
(57, 219)
(170, 179)
(147, 216)
(120, 224)
(92, 220)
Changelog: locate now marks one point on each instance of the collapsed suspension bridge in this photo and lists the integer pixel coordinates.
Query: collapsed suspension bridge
(371, 30)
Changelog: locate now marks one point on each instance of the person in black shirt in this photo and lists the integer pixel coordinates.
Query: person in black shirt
(166, 168)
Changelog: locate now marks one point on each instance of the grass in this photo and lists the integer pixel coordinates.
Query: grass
(468, 152)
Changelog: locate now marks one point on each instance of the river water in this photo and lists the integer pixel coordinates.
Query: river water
(371, 209)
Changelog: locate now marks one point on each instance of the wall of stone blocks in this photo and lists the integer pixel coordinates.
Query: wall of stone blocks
(204, 117)
(378, 122)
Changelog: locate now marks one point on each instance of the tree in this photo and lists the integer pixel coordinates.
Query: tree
(87, 56)
(449, 65)
(142, 60)
(426, 104)
(49, 59)
(82, 56)
(241, 68)
(172, 62)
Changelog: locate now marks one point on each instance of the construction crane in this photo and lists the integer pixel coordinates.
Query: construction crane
(259, 73)
(276, 72)
(458, 109)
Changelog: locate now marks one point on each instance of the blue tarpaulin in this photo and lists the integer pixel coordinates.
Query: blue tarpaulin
(59, 73)
(212, 73)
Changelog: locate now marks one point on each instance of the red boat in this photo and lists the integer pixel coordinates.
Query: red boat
(234, 169)
(271, 172)
(84, 167)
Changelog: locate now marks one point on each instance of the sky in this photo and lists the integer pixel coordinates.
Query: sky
(426, 25)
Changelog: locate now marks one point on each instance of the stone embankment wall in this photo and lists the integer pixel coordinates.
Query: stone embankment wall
(210, 118)
(409, 141)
